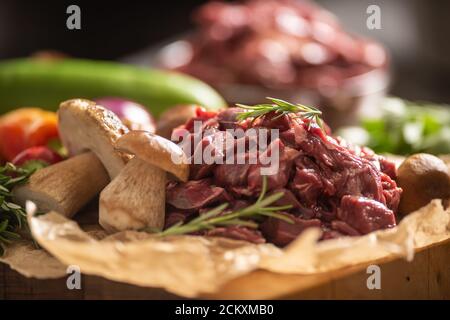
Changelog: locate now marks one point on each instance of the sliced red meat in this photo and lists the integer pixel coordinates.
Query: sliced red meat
(365, 215)
(308, 186)
(288, 198)
(173, 217)
(344, 228)
(231, 175)
(388, 167)
(282, 169)
(282, 233)
(208, 153)
(195, 194)
(228, 118)
(391, 192)
(288, 137)
(274, 121)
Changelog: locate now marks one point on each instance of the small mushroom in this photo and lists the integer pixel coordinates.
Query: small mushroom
(136, 197)
(89, 132)
(423, 177)
(173, 118)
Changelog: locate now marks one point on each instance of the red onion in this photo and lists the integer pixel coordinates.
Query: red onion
(132, 114)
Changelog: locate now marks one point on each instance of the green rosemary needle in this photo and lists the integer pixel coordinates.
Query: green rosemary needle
(282, 108)
(13, 218)
(216, 218)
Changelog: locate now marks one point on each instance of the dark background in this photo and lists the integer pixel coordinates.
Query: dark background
(415, 31)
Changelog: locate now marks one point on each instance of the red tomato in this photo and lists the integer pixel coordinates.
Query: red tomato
(24, 128)
(204, 114)
(41, 153)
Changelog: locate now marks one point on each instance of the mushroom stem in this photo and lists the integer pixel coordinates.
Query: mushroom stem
(122, 204)
(66, 186)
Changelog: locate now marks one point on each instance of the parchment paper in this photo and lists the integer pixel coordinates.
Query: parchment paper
(191, 265)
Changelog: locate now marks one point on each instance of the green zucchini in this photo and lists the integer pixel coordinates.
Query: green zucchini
(42, 83)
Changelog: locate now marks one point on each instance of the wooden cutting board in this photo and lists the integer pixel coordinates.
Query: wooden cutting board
(426, 277)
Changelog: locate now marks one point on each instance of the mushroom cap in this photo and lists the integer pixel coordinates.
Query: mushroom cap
(87, 126)
(174, 117)
(157, 151)
(422, 177)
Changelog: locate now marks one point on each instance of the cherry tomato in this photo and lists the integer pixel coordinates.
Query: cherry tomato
(24, 128)
(40, 153)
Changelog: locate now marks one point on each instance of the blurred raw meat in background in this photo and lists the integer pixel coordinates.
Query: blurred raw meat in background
(414, 31)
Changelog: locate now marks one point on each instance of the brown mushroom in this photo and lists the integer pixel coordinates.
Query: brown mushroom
(423, 177)
(89, 132)
(86, 126)
(173, 118)
(66, 186)
(136, 197)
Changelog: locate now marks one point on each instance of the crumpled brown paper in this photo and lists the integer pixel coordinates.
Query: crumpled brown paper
(191, 265)
(30, 261)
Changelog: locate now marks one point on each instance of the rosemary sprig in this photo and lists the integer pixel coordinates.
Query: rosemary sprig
(12, 216)
(214, 217)
(282, 108)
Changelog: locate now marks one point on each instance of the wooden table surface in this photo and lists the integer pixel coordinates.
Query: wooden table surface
(426, 277)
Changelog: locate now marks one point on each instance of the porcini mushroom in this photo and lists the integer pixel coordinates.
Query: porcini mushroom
(65, 186)
(89, 132)
(174, 117)
(423, 177)
(86, 126)
(136, 197)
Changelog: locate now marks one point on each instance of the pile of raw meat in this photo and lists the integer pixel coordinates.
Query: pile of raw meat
(344, 190)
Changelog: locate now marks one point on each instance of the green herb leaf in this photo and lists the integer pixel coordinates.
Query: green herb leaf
(405, 128)
(34, 165)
